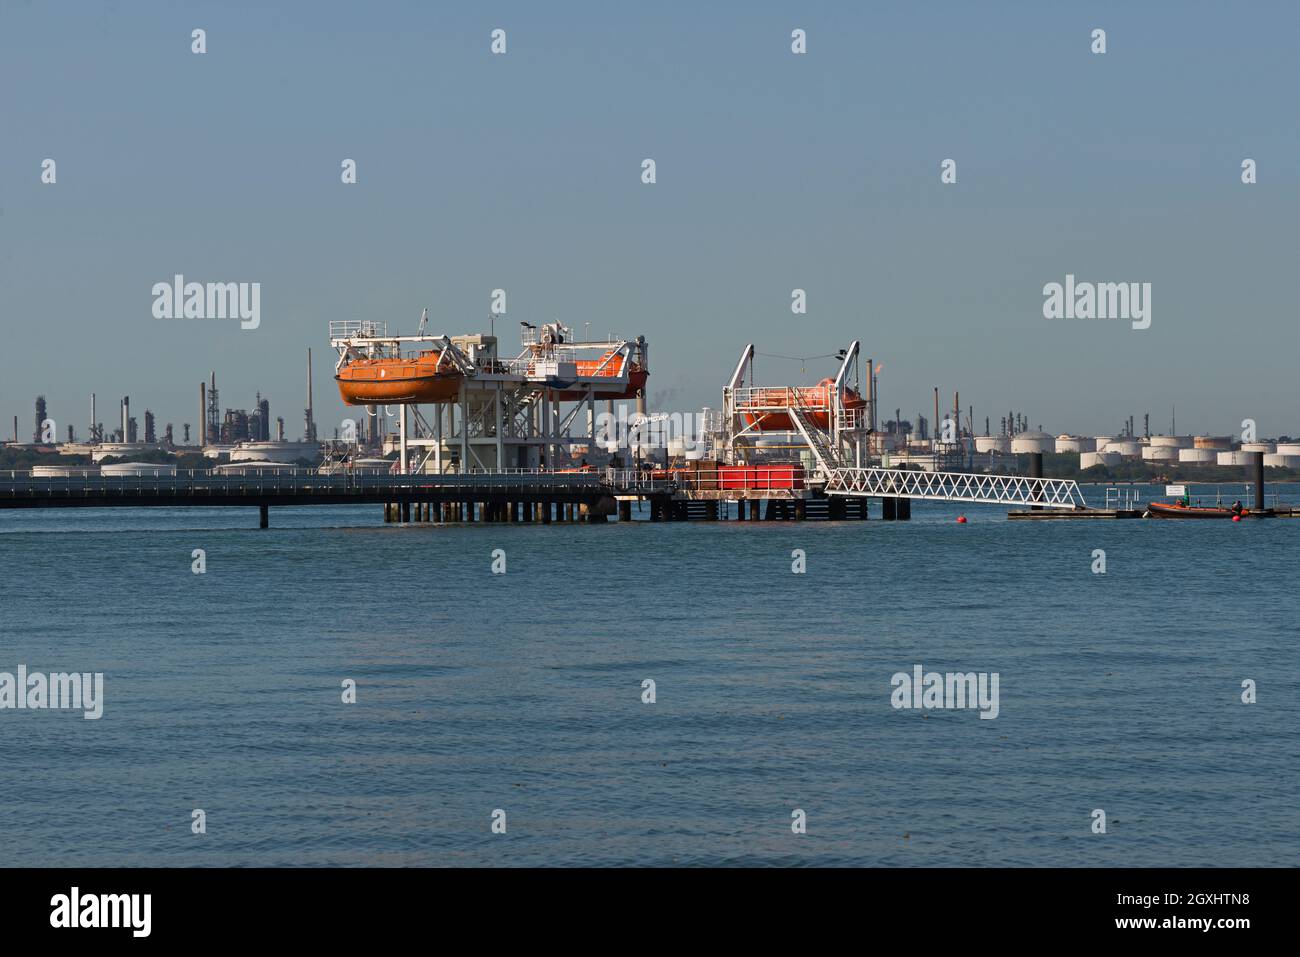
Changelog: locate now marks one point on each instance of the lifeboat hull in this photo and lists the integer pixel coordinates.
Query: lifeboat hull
(397, 381)
(419, 389)
(815, 399)
(1170, 510)
(636, 383)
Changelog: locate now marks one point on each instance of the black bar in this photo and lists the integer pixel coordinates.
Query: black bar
(954, 909)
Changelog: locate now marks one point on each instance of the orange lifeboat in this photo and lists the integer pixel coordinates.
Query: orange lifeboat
(816, 399)
(607, 367)
(394, 380)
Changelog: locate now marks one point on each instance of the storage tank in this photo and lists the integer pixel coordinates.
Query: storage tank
(109, 449)
(274, 451)
(136, 469)
(1216, 442)
(1277, 460)
(264, 467)
(1268, 448)
(1171, 441)
(1160, 453)
(1033, 442)
(64, 471)
(1075, 443)
(377, 465)
(992, 443)
(1127, 448)
(1288, 448)
(1088, 460)
(1232, 458)
(1196, 455)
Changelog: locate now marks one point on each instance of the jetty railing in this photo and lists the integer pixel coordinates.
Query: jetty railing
(956, 487)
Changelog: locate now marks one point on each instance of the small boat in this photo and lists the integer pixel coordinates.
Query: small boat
(1179, 510)
(392, 379)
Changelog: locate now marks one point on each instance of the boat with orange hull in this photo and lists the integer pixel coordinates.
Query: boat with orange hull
(609, 366)
(815, 400)
(396, 380)
(1179, 510)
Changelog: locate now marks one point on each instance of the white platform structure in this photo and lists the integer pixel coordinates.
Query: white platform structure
(531, 411)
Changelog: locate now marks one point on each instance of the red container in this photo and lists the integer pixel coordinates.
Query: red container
(761, 478)
(735, 476)
(783, 477)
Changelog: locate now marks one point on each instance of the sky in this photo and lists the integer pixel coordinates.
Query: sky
(774, 171)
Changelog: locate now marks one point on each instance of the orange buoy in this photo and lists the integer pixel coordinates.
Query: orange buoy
(1236, 518)
(961, 519)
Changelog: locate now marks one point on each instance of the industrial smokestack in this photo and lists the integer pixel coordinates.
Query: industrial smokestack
(93, 436)
(309, 418)
(203, 414)
(126, 418)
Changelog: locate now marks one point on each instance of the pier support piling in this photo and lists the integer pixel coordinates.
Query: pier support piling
(264, 516)
(1035, 471)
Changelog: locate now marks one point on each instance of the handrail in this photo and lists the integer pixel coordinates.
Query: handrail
(956, 487)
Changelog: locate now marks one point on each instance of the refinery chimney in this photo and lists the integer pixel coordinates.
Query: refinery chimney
(203, 414)
(39, 435)
(92, 418)
(309, 421)
(126, 418)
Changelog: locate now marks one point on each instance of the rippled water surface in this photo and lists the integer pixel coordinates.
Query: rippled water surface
(523, 691)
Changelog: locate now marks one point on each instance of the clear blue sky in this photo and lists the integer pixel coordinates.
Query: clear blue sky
(775, 171)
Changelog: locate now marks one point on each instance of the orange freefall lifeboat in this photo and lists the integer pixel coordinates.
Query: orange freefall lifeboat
(814, 400)
(396, 380)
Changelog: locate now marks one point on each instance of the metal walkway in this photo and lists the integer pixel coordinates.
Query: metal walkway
(955, 487)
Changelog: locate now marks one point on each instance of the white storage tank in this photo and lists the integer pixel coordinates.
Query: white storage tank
(992, 443)
(1160, 453)
(254, 468)
(1196, 455)
(1171, 441)
(374, 465)
(1277, 460)
(1268, 448)
(1075, 443)
(1231, 458)
(1288, 448)
(136, 469)
(1088, 460)
(106, 450)
(274, 451)
(1033, 442)
(1128, 448)
(64, 471)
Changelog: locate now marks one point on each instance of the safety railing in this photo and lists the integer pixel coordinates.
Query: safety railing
(358, 329)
